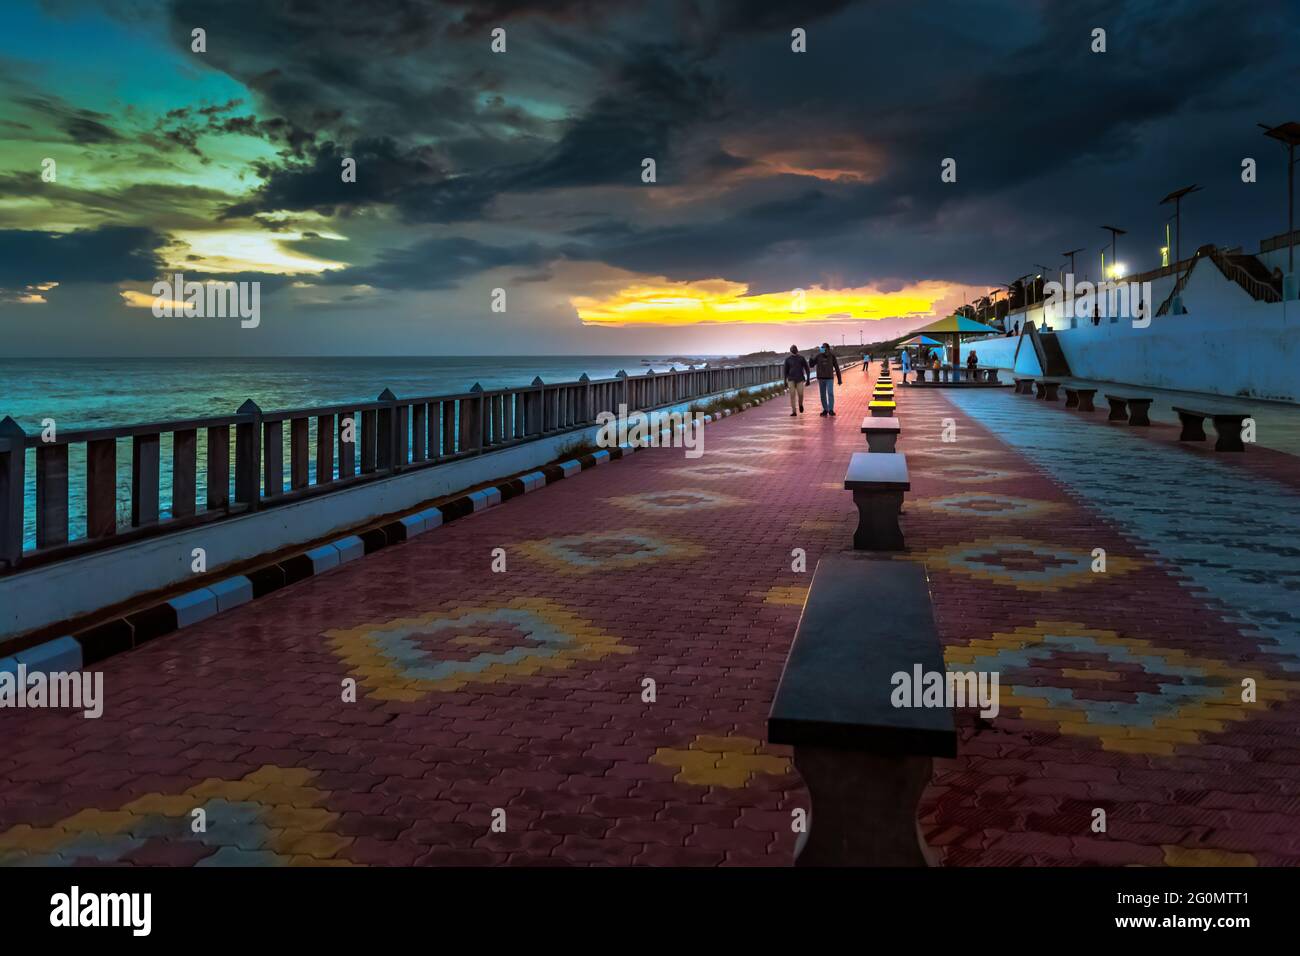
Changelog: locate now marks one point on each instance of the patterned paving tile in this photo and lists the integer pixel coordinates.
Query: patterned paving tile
(1132, 695)
(985, 504)
(1230, 532)
(729, 762)
(408, 658)
(1024, 564)
(719, 471)
(674, 500)
(270, 817)
(595, 551)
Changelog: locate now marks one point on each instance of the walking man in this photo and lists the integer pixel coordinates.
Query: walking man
(828, 371)
(907, 365)
(796, 377)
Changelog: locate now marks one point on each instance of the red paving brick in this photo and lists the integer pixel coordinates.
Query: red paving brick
(655, 567)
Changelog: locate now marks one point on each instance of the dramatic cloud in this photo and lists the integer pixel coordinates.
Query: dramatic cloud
(774, 169)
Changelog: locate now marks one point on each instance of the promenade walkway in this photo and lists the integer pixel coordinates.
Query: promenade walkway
(520, 697)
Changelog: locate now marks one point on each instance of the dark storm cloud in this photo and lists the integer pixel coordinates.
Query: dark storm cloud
(1050, 112)
(485, 14)
(81, 125)
(108, 254)
(1046, 133)
(654, 96)
(436, 264)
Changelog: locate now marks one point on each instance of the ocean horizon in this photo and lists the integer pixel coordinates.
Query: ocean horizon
(98, 392)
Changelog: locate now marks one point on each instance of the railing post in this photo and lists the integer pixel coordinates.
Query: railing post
(248, 456)
(471, 419)
(587, 413)
(13, 464)
(386, 438)
(623, 390)
(533, 406)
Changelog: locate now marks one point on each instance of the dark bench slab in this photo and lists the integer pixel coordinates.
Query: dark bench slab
(865, 761)
(1024, 386)
(1227, 426)
(878, 481)
(1135, 410)
(882, 433)
(1080, 398)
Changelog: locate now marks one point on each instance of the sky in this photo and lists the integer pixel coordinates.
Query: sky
(797, 195)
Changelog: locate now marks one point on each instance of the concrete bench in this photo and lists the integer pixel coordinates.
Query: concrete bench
(865, 762)
(882, 408)
(1128, 408)
(1227, 426)
(989, 375)
(1047, 389)
(1080, 398)
(1024, 386)
(878, 481)
(882, 433)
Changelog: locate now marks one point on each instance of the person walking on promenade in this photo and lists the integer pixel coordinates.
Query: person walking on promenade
(796, 377)
(907, 365)
(828, 371)
(972, 362)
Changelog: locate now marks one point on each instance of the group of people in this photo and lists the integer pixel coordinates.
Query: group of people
(799, 370)
(930, 360)
(798, 373)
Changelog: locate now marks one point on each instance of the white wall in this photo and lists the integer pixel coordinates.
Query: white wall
(1226, 343)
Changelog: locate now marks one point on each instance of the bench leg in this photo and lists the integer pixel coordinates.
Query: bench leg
(881, 441)
(1051, 393)
(1071, 399)
(1118, 411)
(1138, 415)
(1085, 404)
(863, 809)
(878, 528)
(1193, 428)
(1229, 436)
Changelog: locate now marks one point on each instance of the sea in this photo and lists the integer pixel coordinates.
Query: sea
(84, 393)
(78, 393)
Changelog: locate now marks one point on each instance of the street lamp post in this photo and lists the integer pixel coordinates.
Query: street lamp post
(1289, 135)
(1176, 197)
(1115, 231)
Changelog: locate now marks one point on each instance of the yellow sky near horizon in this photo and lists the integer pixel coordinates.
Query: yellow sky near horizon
(662, 302)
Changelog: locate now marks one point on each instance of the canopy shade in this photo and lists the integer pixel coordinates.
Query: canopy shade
(957, 323)
(919, 340)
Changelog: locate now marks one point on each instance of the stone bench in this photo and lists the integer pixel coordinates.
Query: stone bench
(1227, 426)
(1129, 408)
(1080, 398)
(865, 762)
(1024, 386)
(882, 433)
(989, 375)
(882, 408)
(877, 481)
(1047, 389)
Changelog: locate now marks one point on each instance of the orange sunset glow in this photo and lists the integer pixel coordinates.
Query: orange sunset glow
(663, 302)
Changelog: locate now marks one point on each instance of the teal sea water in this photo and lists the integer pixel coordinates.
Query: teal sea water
(81, 393)
(87, 393)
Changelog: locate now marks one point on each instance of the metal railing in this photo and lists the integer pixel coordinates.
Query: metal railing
(329, 448)
(1259, 291)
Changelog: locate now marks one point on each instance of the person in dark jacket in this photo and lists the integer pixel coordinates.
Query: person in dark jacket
(828, 372)
(796, 377)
